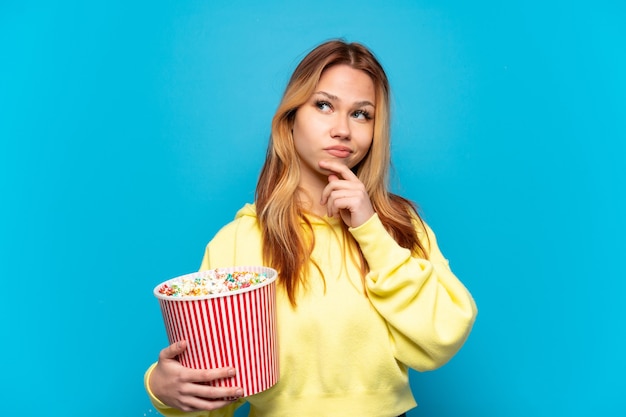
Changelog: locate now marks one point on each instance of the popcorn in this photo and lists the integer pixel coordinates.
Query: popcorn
(214, 281)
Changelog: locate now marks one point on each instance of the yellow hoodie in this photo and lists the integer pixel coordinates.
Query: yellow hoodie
(343, 353)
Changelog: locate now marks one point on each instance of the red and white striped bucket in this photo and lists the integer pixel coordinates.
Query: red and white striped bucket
(237, 329)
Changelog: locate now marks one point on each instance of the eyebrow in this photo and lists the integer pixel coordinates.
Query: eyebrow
(358, 103)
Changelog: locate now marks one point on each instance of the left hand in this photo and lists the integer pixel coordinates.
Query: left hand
(345, 195)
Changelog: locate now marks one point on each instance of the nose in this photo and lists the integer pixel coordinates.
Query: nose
(340, 128)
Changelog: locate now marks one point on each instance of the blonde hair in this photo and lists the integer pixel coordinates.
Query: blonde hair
(286, 247)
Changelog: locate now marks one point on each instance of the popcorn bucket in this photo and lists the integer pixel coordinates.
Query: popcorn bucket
(235, 328)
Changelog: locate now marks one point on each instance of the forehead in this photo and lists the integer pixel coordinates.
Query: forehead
(347, 83)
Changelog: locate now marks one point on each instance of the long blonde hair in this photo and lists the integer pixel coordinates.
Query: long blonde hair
(286, 246)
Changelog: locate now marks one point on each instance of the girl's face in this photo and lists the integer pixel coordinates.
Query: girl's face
(337, 122)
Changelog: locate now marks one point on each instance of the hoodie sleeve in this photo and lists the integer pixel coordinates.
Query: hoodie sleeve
(429, 313)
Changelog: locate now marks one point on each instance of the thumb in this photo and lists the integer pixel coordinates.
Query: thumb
(174, 350)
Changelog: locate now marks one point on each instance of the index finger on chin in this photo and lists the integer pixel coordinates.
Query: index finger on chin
(337, 167)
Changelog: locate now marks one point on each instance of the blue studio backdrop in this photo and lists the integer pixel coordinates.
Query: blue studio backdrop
(131, 131)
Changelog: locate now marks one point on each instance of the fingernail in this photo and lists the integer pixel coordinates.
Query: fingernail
(239, 393)
(231, 372)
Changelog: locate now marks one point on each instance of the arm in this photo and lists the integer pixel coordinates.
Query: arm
(428, 310)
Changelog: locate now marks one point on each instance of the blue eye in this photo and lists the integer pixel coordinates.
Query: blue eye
(362, 115)
(323, 105)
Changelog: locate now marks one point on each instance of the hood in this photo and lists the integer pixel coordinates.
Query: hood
(247, 210)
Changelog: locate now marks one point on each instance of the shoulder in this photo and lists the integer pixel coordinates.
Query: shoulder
(237, 243)
(245, 221)
(424, 232)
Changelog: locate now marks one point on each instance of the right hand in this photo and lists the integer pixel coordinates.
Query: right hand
(184, 388)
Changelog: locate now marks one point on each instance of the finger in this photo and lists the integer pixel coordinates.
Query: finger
(203, 376)
(173, 350)
(211, 395)
(332, 178)
(337, 188)
(335, 204)
(329, 196)
(202, 404)
(214, 393)
(338, 196)
(219, 373)
(338, 168)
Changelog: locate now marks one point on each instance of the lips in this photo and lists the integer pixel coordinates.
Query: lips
(339, 151)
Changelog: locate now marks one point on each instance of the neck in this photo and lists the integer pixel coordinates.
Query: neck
(310, 194)
(310, 202)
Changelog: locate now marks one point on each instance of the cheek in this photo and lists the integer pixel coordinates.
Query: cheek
(365, 137)
(300, 138)
(309, 130)
(300, 126)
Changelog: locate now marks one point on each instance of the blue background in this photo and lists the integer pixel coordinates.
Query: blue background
(131, 131)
